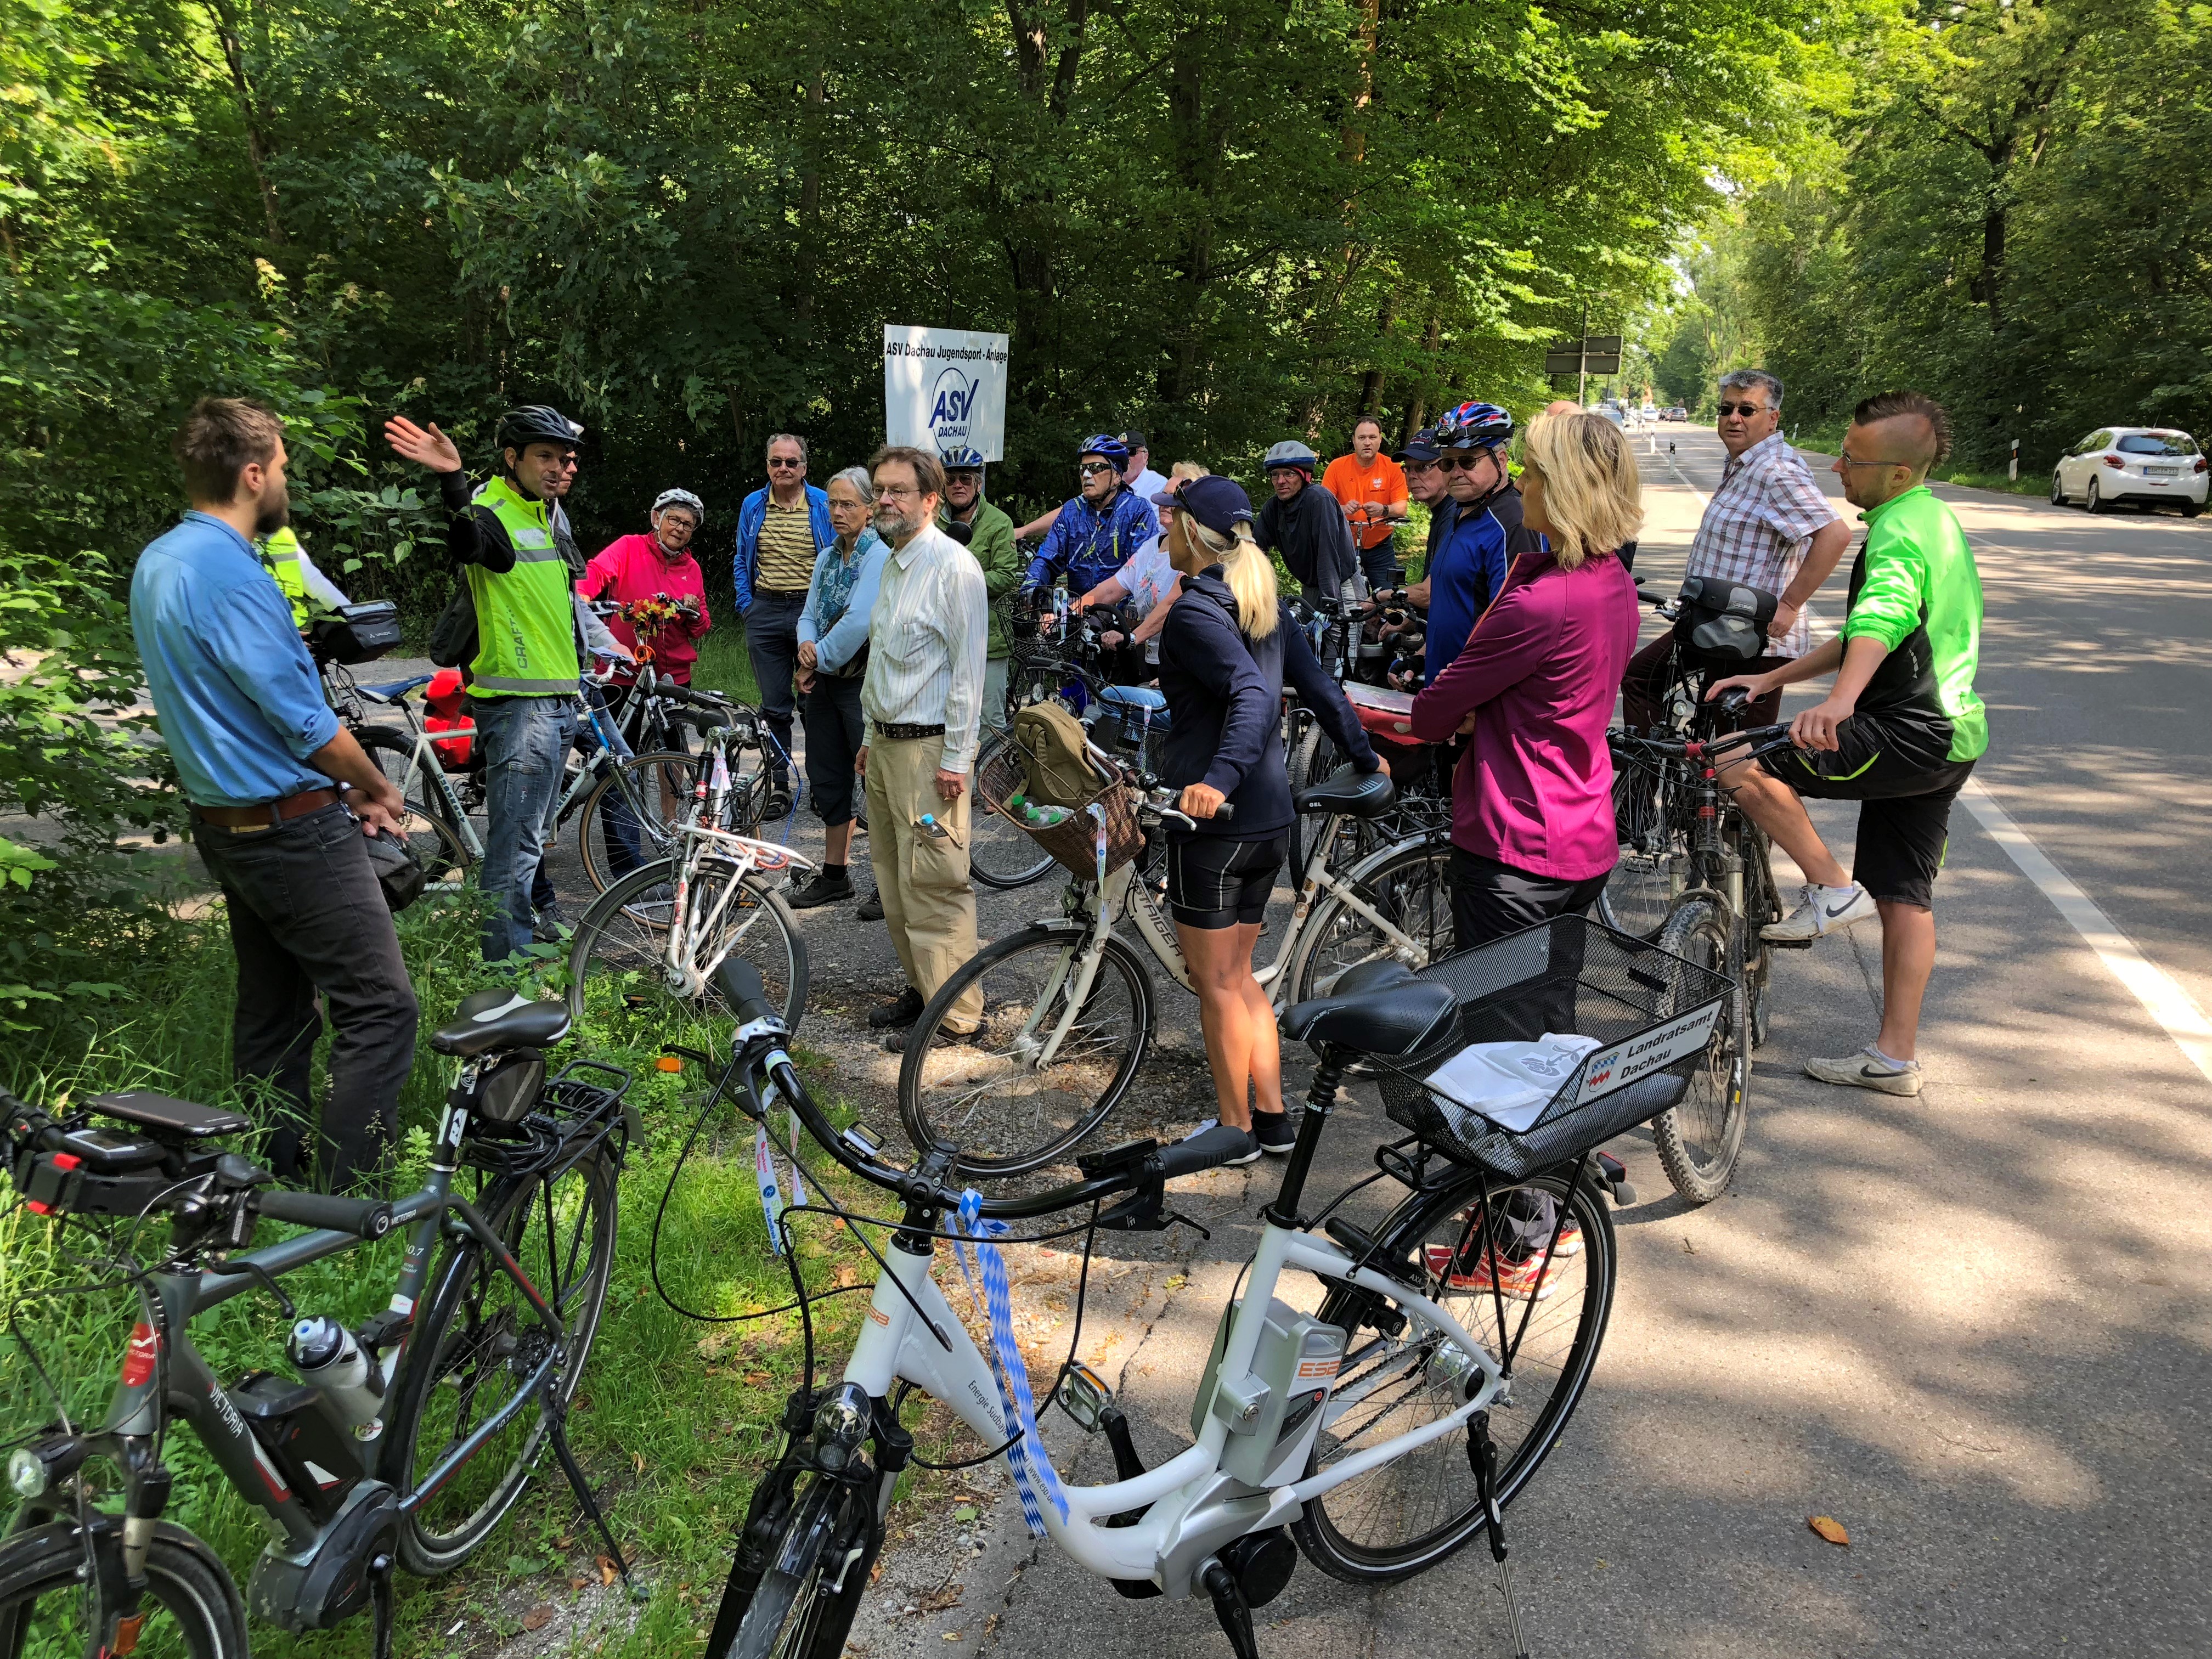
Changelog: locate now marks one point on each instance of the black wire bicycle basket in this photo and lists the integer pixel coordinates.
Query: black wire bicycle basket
(1654, 1015)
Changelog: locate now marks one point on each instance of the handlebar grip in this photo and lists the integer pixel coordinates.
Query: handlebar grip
(741, 983)
(1224, 813)
(364, 1218)
(1209, 1150)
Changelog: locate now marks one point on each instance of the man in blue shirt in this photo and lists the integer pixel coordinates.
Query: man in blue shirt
(1101, 530)
(1476, 533)
(267, 768)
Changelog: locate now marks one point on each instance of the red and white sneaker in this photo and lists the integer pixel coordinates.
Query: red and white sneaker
(1570, 1233)
(1520, 1280)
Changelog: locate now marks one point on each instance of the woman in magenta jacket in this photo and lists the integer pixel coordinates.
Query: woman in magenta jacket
(1532, 802)
(639, 571)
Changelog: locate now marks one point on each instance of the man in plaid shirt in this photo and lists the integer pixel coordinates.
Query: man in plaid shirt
(1768, 526)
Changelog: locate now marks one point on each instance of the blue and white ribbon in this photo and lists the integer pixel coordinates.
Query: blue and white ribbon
(764, 1178)
(798, 1186)
(1013, 1376)
(1098, 817)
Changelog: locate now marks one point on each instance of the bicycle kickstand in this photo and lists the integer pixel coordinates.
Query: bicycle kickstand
(380, 1599)
(558, 1433)
(1482, 1453)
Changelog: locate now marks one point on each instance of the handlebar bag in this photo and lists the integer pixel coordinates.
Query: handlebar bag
(356, 633)
(1721, 624)
(1056, 771)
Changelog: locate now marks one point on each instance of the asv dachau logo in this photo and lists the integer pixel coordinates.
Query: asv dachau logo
(951, 407)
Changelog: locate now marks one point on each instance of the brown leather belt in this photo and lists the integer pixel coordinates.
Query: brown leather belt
(269, 814)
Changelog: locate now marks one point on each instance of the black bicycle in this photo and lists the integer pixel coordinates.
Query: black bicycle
(402, 1442)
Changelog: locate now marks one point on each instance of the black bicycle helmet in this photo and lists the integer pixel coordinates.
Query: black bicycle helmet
(536, 423)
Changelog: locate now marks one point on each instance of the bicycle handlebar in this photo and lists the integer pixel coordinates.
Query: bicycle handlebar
(369, 1219)
(1762, 739)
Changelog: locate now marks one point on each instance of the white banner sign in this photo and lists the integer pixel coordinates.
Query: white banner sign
(944, 388)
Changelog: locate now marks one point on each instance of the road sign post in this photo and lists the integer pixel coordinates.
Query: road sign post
(2015, 472)
(1593, 354)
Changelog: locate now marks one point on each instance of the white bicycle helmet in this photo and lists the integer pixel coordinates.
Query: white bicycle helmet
(683, 498)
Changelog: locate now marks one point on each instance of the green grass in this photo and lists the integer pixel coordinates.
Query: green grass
(673, 1418)
(724, 665)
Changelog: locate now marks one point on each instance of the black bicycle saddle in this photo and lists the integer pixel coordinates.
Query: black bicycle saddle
(500, 1019)
(1379, 1008)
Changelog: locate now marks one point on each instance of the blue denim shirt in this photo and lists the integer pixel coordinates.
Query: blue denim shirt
(235, 693)
(839, 600)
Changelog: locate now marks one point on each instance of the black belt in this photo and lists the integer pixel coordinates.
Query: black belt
(889, 729)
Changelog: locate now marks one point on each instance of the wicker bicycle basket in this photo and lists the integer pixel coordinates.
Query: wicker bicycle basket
(1656, 1019)
(1075, 842)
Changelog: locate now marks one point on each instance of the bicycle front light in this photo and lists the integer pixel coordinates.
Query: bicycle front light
(45, 1464)
(840, 1423)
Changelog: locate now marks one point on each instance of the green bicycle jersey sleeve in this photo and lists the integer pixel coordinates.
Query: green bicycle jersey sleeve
(1915, 587)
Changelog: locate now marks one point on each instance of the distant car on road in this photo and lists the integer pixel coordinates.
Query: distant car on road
(2148, 465)
(1677, 413)
(1650, 411)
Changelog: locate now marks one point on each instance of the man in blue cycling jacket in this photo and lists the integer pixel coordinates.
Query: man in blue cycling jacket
(1478, 530)
(1098, 532)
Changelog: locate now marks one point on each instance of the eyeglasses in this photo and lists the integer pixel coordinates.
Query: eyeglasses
(779, 463)
(1849, 460)
(1091, 469)
(1745, 409)
(967, 476)
(1462, 463)
(565, 464)
(897, 493)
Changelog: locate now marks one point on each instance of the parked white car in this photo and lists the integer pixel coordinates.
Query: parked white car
(2148, 465)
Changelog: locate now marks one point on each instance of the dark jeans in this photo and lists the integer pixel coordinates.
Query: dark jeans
(625, 837)
(772, 642)
(307, 917)
(1652, 670)
(1379, 564)
(1490, 900)
(525, 742)
(834, 731)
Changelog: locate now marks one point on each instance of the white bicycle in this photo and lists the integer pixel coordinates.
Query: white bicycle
(1069, 1007)
(1380, 1431)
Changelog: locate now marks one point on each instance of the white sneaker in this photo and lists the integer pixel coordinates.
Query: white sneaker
(1869, 1070)
(1823, 910)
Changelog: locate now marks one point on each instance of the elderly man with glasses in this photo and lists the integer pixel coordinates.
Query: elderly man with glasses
(1475, 531)
(1768, 526)
(781, 529)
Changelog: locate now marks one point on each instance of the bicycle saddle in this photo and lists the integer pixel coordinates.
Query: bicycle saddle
(1346, 791)
(1380, 1008)
(500, 1019)
(393, 690)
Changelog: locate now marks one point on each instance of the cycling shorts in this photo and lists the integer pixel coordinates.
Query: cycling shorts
(1214, 882)
(1906, 788)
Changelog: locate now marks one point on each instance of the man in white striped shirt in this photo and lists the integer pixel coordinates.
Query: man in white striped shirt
(923, 697)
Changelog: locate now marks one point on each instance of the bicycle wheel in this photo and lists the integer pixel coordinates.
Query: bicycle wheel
(475, 1349)
(1410, 889)
(1761, 905)
(1406, 1515)
(1641, 888)
(1312, 761)
(814, 1568)
(192, 1607)
(630, 818)
(1699, 1138)
(1001, 854)
(429, 831)
(995, 1097)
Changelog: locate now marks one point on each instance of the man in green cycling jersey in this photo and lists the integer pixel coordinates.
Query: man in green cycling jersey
(1899, 731)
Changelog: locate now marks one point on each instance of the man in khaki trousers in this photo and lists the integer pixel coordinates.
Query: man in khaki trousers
(923, 697)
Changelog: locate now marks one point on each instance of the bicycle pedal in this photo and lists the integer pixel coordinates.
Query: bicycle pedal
(1084, 1396)
(1787, 943)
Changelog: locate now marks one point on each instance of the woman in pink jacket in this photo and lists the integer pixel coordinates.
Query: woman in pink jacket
(659, 585)
(1532, 802)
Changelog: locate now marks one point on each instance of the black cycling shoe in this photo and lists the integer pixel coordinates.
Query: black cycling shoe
(1274, 1131)
(899, 1042)
(899, 1014)
(819, 889)
(872, 907)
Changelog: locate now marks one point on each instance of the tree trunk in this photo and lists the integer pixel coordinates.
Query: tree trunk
(259, 149)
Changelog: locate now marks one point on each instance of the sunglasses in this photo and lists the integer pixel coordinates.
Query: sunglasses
(1090, 469)
(1461, 462)
(1745, 409)
(778, 464)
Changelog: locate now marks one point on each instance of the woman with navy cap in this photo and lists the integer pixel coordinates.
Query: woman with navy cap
(1226, 651)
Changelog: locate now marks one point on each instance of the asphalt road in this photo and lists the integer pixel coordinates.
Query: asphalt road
(1972, 1326)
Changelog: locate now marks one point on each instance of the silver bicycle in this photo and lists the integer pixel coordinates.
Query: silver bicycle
(1068, 1006)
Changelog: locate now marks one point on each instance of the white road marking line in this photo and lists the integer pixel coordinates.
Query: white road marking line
(2161, 996)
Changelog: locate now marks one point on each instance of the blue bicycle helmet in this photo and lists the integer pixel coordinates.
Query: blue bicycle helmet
(1474, 426)
(1107, 445)
(961, 458)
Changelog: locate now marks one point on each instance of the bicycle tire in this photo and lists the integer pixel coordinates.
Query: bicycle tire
(1700, 1138)
(1004, 1117)
(455, 1345)
(616, 974)
(1639, 891)
(1001, 854)
(1377, 1527)
(802, 1602)
(1761, 905)
(430, 833)
(661, 782)
(1410, 885)
(185, 1580)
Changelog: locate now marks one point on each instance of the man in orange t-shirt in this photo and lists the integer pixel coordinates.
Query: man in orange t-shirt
(1370, 487)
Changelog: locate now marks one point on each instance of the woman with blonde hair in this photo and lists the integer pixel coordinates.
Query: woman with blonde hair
(1226, 651)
